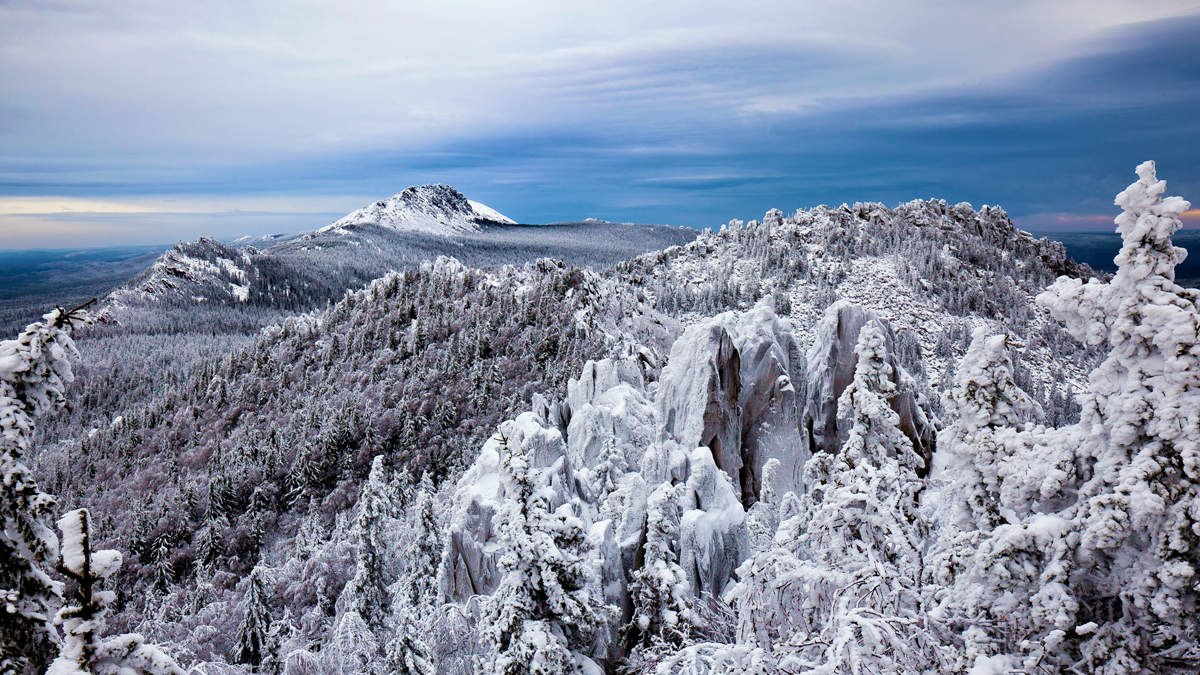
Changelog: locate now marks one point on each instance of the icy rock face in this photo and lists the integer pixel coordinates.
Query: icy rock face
(699, 392)
(734, 384)
(610, 424)
(712, 535)
(606, 404)
(773, 382)
(831, 362)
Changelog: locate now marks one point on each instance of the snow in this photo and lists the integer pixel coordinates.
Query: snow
(431, 209)
(484, 211)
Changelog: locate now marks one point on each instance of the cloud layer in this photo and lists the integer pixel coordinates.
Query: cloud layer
(689, 114)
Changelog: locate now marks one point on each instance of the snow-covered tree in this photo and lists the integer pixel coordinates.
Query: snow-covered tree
(367, 592)
(1095, 568)
(413, 602)
(1138, 515)
(34, 369)
(662, 613)
(840, 591)
(408, 651)
(253, 634)
(985, 403)
(84, 649)
(545, 612)
(355, 647)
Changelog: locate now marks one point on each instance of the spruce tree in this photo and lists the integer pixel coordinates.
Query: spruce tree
(544, 614)
(34, 370)
(83, 648)
(252, 636)
(662, 614)
(367, 591)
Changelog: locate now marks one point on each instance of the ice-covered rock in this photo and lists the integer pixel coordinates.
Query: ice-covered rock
(734, 384)
(772, 392)
(712, 535)
(699, 392)
(469, 560)
(607, 404)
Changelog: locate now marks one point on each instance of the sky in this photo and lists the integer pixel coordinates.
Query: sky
(152, 122)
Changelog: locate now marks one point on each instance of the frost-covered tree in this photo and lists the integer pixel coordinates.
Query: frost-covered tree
(1138, 515)
(986, 405)
(1095, 568)
(34, 370)
(662, 612)
(367, 592)
(255, 629)
(84, 649)
(840, 591)
(545, 612)
(408, 652)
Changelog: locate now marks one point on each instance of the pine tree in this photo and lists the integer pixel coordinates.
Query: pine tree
(253, 633)
(1132, 583)
(544, 611)
(1095, 568)
(83, 649)
(164, 572)
(659, 588)
(413, 603)
(208, 548)
(986, 404)
(34, 369)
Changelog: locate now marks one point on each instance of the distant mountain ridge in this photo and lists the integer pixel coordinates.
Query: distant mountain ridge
(303, 271)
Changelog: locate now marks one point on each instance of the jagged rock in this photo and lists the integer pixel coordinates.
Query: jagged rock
(734, 384)
(607, 403)
(772, 391)
(699, 392)
(831, 362)
(469, 563)
(712, 533)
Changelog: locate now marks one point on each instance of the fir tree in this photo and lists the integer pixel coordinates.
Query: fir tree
(662, 614)
(367, 591)
(544, 611)
(34, 369)
(252, 636)
(84, 649)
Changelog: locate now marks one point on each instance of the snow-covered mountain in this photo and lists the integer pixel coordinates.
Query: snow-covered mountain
(289, 273)
(852, 439)
(431, 209)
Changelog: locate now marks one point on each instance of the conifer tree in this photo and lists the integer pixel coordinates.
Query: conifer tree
(367, 591)
(839, 592)
(252, 636)
(544, 611)
(34, 370)
(662, 614)
(84, 650)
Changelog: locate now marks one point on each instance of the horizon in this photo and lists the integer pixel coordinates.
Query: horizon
(134, 124)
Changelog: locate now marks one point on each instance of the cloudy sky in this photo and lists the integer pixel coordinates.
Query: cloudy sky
(149, 122)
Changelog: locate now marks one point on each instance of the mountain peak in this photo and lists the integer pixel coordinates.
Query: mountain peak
(433, 209)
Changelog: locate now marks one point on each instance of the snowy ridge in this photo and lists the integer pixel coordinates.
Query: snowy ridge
(202, 271)
(432, 209)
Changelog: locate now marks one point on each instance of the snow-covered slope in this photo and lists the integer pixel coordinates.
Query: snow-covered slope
(432, 209)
